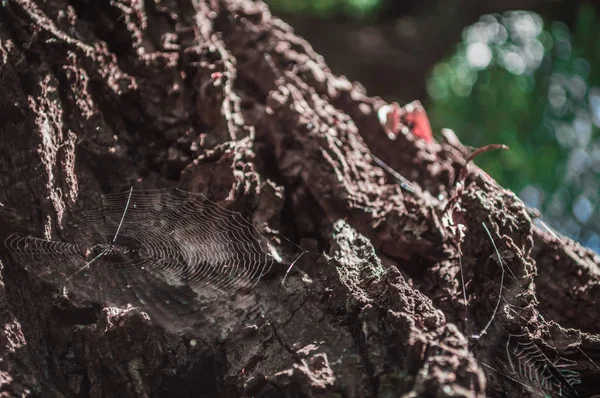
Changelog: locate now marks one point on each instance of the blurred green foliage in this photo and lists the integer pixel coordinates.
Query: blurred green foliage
(355, 9)
(534, 86)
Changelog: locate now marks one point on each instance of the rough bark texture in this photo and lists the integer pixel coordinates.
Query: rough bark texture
(221, 98)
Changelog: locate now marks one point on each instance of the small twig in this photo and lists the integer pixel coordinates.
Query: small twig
(462, 174)
(484, 149)
(463, 171)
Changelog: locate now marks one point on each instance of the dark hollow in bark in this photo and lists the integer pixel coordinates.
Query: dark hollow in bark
(219, 97)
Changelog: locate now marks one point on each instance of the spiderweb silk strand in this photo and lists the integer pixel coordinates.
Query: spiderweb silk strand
(168, 252)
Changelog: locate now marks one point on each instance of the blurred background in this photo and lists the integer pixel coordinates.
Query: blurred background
(522, 73)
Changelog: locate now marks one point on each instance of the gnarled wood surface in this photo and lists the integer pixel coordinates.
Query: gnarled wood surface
(221, 98)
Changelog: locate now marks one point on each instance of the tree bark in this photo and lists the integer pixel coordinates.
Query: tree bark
(221, 98)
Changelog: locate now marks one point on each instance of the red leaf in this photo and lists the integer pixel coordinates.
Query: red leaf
(415, 117)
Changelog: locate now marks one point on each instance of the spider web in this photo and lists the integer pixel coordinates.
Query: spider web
(166, 251)
(535, 370)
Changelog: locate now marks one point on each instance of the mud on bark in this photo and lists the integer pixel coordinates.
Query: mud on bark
(221, 98)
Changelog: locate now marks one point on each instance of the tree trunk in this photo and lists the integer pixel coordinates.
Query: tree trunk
(221, 98)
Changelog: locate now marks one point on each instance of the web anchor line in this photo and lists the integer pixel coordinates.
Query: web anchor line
(484, 331)
(402, 181)
(123, 217)
(87, 265)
